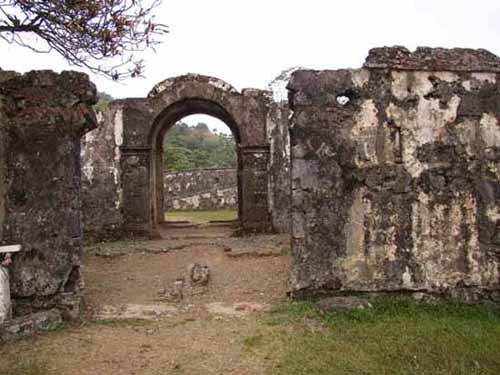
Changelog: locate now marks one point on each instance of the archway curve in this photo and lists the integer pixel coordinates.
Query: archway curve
(186, 107)
(178, 97)
(165, 121)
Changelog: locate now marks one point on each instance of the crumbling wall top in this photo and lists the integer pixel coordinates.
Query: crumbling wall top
(7, 74)
(433, 59)
(278, 86)
(45, 98)
(190, 77)
(37, 81)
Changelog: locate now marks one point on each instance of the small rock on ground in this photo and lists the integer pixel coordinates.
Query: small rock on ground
(198, 274)
(341, 304)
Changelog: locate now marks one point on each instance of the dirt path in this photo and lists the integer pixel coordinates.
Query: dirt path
(203, 334)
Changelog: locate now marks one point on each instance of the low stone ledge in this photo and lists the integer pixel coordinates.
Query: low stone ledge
(28, 325)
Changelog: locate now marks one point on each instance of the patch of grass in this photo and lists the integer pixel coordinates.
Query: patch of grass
(396, 336)
(27, 367)
(123, 322)
(252, 342)
(202, 216)
(286, 250)
(55, 327)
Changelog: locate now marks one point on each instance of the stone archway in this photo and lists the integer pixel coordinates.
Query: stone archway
(164, 122)
(145, 122)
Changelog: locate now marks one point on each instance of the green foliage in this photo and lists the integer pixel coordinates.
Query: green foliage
(178, 158)
(103, 101)
(196, 147)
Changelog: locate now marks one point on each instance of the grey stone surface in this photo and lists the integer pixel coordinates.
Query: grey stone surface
(101, 178)
(173, 294)
(198, 274)
(42, 118)
(279, 166)
(433, 59)
(395, 176)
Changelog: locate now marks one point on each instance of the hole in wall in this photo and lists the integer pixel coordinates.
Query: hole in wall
(343, 100)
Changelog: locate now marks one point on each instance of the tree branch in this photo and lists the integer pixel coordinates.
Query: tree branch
(86, 32)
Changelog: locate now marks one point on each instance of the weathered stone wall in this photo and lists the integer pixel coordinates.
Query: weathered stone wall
(279, 166)
(395, 175)
(101, 176)
(245, 113)
(124, 180)
(202, 189)
(105, 163)
(42, 117)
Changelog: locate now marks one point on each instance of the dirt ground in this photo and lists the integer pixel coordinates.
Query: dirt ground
(202, 334)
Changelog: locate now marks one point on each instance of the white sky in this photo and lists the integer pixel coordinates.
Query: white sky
(247, 44)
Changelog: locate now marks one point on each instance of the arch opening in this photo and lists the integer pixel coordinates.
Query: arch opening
(166, 123)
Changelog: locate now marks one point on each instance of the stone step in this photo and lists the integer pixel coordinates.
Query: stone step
(28, 325)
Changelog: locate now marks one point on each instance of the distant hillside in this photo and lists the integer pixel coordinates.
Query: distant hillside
(197, 147)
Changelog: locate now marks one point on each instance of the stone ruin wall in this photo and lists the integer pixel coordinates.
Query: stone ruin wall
(42, 117)
(202, 189)
(396, 175)
(279, 166)
(103, 165)
(101, 176)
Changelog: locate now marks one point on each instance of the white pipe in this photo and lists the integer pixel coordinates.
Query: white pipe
(5, 303)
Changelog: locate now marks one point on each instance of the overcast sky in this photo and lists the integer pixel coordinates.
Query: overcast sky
(248, 43)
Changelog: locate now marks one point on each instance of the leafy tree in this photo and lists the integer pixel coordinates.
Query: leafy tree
(178, 159)
(197, 147)
(87, 33)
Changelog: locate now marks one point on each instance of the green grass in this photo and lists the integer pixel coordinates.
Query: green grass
(122, 322)
(253, 341)
(27, 367)
(396, 336)
(202, 216)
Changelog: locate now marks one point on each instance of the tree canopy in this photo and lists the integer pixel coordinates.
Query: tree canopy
(100, 35)
(103, 101)
(187, 148)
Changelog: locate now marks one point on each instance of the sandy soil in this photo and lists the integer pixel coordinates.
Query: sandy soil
(192, 337)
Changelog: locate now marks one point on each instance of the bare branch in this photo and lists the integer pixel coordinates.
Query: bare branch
(87, 33)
